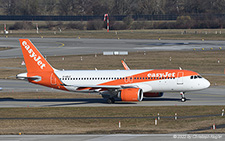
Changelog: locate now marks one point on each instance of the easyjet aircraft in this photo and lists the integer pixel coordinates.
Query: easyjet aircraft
(128, 85)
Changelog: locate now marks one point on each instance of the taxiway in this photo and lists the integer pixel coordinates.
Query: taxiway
(212, 96)
(74, 46)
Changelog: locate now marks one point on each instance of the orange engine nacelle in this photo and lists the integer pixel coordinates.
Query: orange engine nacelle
(153, 94)
(131, 94)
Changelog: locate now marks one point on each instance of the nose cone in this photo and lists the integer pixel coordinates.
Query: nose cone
(206, 83)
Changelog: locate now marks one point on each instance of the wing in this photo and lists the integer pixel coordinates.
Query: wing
(98, 88)
(125, 65)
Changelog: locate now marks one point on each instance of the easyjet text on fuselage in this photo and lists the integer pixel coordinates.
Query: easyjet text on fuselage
(165, 74)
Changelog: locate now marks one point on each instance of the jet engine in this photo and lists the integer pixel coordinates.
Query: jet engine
(131, 94)
(160, 94)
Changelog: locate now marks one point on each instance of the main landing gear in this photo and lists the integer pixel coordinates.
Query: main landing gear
(110, 100)
(183, 99)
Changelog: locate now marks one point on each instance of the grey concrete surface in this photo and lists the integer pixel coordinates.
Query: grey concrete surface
(115, 137)
(211, 96)
(74, 46)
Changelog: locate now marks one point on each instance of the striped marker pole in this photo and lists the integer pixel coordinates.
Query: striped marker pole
(107, 15)
(5, 31)
(5, 27)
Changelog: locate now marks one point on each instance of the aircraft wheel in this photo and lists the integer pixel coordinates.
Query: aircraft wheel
(183, 99)
(110, 100)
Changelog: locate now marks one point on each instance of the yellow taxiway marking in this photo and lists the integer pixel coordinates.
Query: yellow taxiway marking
(62, 44)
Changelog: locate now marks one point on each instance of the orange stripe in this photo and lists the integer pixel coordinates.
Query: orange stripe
(144, 75)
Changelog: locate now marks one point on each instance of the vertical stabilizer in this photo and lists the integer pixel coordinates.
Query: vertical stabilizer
(39, 71)
(34, 60)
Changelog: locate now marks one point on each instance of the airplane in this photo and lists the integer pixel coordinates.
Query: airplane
(126, 85)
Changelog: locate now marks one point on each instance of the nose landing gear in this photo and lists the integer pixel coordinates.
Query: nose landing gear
(183, 99)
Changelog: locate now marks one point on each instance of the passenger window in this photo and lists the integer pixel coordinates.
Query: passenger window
(192, 77)
(195, 77)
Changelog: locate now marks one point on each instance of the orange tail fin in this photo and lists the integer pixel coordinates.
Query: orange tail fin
(39, 71)
(34, 60)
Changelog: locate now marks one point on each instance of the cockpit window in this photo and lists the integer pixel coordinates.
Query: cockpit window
(195, 77)
(199, 76)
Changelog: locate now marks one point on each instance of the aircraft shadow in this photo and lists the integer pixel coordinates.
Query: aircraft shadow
(73, 101)
(163, 99)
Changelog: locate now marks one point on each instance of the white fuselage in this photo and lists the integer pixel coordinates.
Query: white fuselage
(148, 84)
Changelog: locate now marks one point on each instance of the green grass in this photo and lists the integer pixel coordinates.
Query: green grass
(101, 126)
(191, 34)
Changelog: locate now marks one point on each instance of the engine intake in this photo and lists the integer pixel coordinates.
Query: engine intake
(131, 94)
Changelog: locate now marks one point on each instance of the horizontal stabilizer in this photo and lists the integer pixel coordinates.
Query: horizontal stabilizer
(23, 76)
